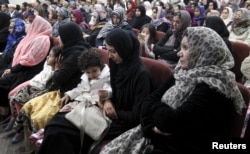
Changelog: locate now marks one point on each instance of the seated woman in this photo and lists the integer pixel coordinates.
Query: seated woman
(117, 21)
(195, 105)
(97, 22)
(17, 33)
(199, 14)
(77, 17)
(217, 24)
(131, 5)
(241, 26)
(168, 47)
(197, 102)
(63, 16)
(227, 17)
(28, 59)
(160, 22)
(130, 82)
(140, 18)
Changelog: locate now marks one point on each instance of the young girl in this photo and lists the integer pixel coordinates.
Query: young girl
(147, 40)
(34, 87)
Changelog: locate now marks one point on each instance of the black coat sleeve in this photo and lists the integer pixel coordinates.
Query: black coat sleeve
(204, 111)
(67, 71)
(142, 88)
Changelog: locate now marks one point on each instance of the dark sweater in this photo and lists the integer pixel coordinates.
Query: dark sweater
(204, 117)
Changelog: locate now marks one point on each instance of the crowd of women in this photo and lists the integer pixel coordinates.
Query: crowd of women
(51, 72)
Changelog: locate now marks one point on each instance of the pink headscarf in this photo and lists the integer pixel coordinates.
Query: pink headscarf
(34, 47)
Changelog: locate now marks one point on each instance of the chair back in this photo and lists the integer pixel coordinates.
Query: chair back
(240, 51)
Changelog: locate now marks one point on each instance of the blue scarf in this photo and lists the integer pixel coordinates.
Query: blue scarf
(17, 35)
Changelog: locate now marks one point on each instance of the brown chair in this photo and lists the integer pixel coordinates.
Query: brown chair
(159, 35)
(240, 51)
(159, 71)
(238, 120)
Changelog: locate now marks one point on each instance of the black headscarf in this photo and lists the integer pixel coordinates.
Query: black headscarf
(127, 45)
(138, 22)
(4, 29)
(217, 24)
(71, 36)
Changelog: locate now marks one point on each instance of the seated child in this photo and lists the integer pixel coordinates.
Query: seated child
(94, 86)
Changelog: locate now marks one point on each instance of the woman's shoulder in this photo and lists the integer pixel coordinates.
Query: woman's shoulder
(211, 93)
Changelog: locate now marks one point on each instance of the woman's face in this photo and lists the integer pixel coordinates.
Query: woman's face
(11, 27)
(176, 9)
(72, 17)
(211, 6)
(116, 20)
(137, 12)
(238, 15)
(129, 5)
(176, 22)
(113, 54)
(183, 54)
(154, 15)
(197, 12)
(224, 14)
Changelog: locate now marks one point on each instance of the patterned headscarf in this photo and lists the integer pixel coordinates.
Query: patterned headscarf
(109, 25)
(209, 62)
(241, 25)
(17, 34)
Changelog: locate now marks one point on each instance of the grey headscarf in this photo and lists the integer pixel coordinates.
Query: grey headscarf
(109, 25)
(65, 18)
(242, 25)
(209, 62)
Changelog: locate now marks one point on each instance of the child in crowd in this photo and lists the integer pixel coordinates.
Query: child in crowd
(94, 87)
(95, 82)
(147, 40)
(34, 87)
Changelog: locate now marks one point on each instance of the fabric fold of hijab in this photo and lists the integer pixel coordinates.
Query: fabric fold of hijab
(209, 62)
(71, 39)
(242, 25)
(127, 46)
(217, 24)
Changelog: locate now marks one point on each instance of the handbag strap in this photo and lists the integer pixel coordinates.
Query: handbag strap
(82, 119)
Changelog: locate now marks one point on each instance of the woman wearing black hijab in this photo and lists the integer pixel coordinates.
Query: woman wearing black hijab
(217, 24)
(130, 82)
(73, 45)
(4, 29)
(140, 18)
